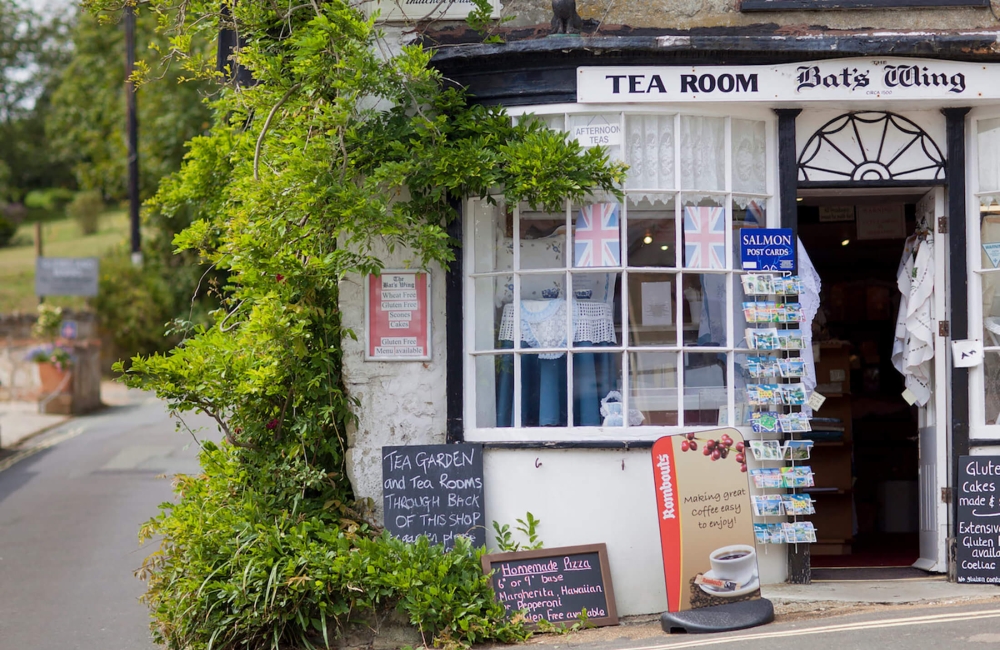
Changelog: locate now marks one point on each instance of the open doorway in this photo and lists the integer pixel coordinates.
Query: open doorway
(866, 456)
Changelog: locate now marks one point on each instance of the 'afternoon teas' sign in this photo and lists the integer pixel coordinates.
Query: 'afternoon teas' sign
(558, 585)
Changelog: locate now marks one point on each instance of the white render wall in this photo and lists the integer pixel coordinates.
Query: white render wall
(594, 496)
(401, 402)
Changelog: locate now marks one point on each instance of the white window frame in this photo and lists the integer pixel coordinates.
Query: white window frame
(516, 433)
(978, 428)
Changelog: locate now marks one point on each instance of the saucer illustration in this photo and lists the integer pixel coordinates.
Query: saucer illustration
(742, 590)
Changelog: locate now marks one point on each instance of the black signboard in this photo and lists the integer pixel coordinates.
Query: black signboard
(66, 276)
(555, 584)
(978, 548)
(434, 490)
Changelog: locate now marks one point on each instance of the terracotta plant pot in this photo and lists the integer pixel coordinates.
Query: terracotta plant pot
(54, 380)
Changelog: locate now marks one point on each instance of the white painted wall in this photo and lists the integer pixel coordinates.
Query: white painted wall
(589, 497)
(400, 402)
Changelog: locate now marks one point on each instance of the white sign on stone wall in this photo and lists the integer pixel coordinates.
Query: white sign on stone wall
(835, 79)
(416, 10)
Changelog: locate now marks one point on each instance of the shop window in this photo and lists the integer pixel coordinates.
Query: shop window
(619, 313)
(988, 145)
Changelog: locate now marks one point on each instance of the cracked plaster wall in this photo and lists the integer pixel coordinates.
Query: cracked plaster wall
(400, 402)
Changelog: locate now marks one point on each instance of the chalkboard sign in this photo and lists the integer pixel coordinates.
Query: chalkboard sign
(434, 490)
(555, 584)
(978, 551)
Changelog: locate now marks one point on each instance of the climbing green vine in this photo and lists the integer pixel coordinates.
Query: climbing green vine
(337, 151)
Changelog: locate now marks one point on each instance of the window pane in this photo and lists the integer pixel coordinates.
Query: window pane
(596, 308)
(653, 386)
(542, 240)
(593, 130)
(494, 384)
(703, 146)
(989, 232)
(747, 213)
(543, 390)
(493, 238)
(595, 375)
(991, 368)
(704, 387)
(597, 234)
(988, 140)
(494, 298)
(704, 309)
(650, 152)
(653, 309)
(652, 231)
(704, 232)
(749, 158)
(543, 312)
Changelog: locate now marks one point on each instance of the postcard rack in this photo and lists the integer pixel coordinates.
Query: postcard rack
(775, 399)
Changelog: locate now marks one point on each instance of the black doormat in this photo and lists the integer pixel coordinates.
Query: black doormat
(872, 573)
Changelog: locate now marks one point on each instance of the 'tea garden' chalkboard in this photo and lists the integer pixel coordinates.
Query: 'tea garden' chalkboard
(434, 490)
(555, 584)
(978, 547)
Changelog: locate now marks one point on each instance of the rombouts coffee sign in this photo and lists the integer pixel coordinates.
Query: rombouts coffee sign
(821, 80)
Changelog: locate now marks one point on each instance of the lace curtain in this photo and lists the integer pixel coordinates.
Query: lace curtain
(988, 140)
(650, 151)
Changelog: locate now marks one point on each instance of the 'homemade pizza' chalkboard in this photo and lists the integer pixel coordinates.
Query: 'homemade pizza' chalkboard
(434, 490)
(555, 584)
(978, 548)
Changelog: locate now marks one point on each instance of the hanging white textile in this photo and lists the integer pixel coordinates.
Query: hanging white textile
(913, 348)
(809, 299)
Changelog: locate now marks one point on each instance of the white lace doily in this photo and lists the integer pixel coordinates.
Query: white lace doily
(543, 323)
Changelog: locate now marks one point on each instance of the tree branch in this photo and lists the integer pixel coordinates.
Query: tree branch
(267, 124)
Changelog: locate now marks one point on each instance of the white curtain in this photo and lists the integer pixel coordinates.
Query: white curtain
(749, 158)
(650, 152)
(703, 158)
(988, 140)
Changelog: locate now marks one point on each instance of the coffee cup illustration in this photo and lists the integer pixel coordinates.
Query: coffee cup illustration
(736, 563)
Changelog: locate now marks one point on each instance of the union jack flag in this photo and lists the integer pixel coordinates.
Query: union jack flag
(597, 236)
(704, 237)
(755, 214)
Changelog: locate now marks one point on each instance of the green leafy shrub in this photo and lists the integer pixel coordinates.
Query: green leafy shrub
(51, 199)
(86, 208)
(7, 230)
(234, 572)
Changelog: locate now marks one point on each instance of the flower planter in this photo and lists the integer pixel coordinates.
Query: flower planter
(54, 379)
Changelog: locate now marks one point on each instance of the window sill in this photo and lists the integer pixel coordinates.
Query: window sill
(581, 437)
(823, 5)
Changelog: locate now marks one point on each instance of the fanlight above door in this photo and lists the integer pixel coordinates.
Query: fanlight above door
(871, 147)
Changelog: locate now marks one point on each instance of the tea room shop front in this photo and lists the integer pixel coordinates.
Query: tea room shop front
(587, 333)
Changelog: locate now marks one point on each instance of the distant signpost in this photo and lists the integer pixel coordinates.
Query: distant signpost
(66, 276)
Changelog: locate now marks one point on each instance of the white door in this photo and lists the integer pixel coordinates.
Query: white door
(933, 417)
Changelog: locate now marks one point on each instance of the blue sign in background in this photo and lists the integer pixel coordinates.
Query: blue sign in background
(767, 249)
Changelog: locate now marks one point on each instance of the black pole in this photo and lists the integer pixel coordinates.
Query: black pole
(958, 296)
(454, 329)
(799, 571)
(132, 127)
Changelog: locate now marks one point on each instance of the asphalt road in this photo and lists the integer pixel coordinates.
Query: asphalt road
(942, 626)
(69, 519)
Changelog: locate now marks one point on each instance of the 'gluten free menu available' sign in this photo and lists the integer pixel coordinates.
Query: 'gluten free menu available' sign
(398, 316)
(706, 523)
(555, 584)
(978, 539)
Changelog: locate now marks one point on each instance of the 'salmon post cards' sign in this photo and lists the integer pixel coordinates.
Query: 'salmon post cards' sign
(836, 79)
